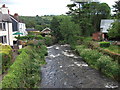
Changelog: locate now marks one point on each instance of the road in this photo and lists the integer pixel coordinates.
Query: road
(64, 69)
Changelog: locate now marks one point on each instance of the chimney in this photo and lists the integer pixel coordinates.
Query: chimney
(16, 16)
(3, 6)
(4, 9)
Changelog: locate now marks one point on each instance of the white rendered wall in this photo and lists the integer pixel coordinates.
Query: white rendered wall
(4, 10)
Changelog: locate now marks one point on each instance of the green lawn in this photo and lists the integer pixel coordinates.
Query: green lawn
(114, 48)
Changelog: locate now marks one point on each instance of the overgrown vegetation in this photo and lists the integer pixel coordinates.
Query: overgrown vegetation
(97, 60)
(5, 57)
(25, 71)
(114, 31)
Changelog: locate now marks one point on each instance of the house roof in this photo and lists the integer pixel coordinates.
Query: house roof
(31, 29)
(16, 18)
(5, 18)
(106, 22)
(46, 29)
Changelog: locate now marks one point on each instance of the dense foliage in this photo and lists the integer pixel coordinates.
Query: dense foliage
(37, 22)
(114, 31)
(99, 61)
(25, 71)
(117, 9)
(5, 57)
(65, 30)
(89, 16)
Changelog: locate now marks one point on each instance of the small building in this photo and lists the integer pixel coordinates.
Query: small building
(46, 31)
(104, 26)
(96, 36)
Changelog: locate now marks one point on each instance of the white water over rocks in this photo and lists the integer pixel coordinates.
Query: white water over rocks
(53, 56)
(81, 64)
(108, 85)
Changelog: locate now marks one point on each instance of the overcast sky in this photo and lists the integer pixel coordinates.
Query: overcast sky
(41, 7)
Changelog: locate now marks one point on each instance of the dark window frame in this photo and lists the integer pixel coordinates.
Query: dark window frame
(3, 39)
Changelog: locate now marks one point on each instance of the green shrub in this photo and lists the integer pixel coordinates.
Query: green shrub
(16, 74)
(103, 63)
(80, 48)
(114, 71)
(104, 44)
(30, 37)
(91, 56)
(48, 41)
(25, 71)
(6, 56)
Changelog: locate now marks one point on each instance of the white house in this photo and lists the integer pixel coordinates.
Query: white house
(6, 29)
(9, 25)
(18, 26)
(104, 26)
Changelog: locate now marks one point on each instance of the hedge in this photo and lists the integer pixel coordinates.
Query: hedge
(99, 61)
(25, 71)
(104, 44)
(5, 57)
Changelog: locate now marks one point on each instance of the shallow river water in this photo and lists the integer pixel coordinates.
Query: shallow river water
(64, 69)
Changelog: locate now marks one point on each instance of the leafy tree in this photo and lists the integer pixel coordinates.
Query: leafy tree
(69, 30)
(55, 28)
(89, 15)
(39, 27)
(114, 31)
(117, 9)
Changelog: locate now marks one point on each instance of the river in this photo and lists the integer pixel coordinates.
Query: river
(64, 69)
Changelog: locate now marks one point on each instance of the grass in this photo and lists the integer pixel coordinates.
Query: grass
(113, 48)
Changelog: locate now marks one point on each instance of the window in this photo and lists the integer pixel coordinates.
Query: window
(0, 26)
(4, 27)
(3, 39)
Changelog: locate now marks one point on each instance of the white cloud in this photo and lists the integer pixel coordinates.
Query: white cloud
(40, 7)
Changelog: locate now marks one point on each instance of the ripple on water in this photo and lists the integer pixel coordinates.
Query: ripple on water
(111, 85)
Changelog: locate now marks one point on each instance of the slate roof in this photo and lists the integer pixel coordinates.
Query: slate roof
(5, 18)
(31, 29)
(106, 24)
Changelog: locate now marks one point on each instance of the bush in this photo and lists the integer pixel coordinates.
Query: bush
(103, 63)
(99, 61)
(6, 56)
(91, 56)
(17, 72)
(104, 44)
(114, 71)
(29, 37)
(25, 71)
(107, 66)
(48, 41)
(80, 48)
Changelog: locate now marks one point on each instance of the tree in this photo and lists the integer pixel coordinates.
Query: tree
(39, 27)
(117, 9)
(69, 30)
(55, 28)
(89, 16)
(114, 31)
